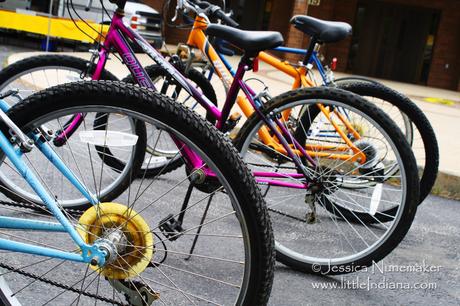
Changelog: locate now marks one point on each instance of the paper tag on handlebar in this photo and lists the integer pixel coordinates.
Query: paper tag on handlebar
(334, 64)
(255, 65)
(108, 138)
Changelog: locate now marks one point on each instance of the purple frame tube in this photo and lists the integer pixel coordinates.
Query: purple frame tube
(115, 40)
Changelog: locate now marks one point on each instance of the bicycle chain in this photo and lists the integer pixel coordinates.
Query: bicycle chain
(39, 208)
(268, 166)
(76, 213)
(279, 212)
(59, 285)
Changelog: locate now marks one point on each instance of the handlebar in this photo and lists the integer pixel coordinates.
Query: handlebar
(205, 8)
(219, 13)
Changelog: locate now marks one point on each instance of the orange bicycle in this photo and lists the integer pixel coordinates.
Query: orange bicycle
(410, 118)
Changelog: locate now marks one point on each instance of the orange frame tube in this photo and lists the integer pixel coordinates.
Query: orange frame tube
(198, 39)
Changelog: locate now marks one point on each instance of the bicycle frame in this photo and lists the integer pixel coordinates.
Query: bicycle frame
(313, 60)
(117, 39)
(298, 74)
(88, 252)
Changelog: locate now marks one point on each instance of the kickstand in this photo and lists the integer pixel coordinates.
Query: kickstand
(180, 218)
(199, 228)
(268, 187)
(266, 191)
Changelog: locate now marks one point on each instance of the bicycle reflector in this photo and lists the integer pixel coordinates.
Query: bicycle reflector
(334, 64)
(134, 22)
(255, 65)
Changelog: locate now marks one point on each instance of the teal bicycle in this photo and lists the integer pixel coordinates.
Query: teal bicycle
(125, 250)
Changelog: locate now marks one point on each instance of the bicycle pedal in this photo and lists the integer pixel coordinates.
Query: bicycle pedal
(171, 228)
(232, 121)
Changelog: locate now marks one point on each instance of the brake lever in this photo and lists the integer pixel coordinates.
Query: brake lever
(179, 6)
(186, 7)
(175, 16)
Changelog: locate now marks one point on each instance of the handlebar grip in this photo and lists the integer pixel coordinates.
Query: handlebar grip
(227, 20)
(216, 11)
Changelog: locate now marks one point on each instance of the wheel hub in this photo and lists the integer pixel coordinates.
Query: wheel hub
(113, 242)
(123, 234)
(326, 184)
(201, 181)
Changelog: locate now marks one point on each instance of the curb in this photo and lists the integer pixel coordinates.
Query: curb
(447, 186)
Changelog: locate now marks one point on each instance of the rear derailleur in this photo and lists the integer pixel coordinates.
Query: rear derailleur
(136, 293)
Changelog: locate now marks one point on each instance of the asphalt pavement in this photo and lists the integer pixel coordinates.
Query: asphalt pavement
(423, 270)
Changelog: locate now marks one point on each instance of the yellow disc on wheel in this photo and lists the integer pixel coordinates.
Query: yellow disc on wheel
(137, 249)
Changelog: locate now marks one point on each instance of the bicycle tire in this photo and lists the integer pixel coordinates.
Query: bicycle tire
(410, 168)
(76, 64)
(416, 116)
(203, 84)
(22, 66)
(34, 63)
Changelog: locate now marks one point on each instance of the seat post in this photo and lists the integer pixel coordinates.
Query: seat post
(248, 59)
(311, 48)
(120, 4)
(232, 93)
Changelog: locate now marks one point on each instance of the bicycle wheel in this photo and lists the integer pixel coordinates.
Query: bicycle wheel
(33, 74)
(308, 236)
(150, 261)
(412, 122)
(39, 72)
(161, 149)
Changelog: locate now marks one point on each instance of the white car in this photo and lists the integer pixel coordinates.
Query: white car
(140, 17)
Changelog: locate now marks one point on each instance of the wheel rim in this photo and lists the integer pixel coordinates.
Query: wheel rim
(39, 78)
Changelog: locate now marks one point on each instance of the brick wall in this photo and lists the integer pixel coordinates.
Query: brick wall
(445, 66)
(338, 10)
(283, 11)
(446, 47)
(294, 38)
